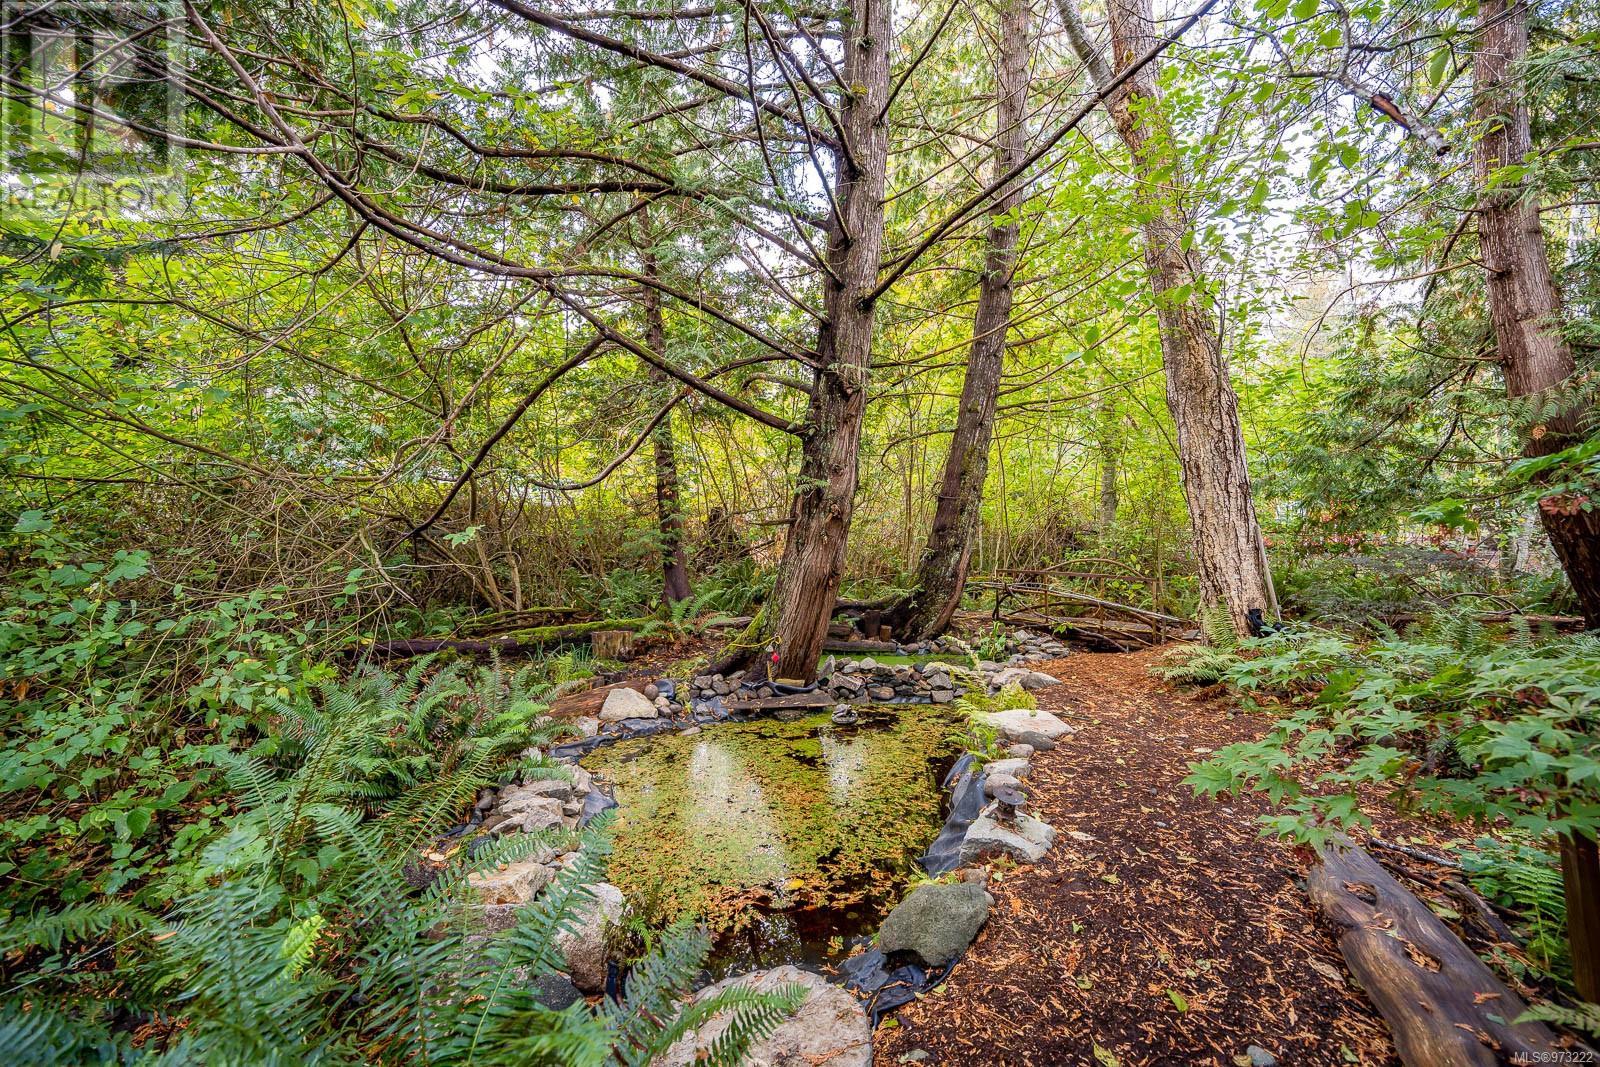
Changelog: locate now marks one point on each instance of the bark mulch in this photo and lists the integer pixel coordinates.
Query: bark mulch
(1160, 929)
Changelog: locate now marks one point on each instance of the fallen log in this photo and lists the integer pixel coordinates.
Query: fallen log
(532, 639)
(1444, 1007)
(818, 699)
(835, 645)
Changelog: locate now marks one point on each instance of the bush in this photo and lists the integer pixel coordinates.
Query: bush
(1450, 720)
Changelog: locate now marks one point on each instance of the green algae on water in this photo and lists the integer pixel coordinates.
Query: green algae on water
(788, 815)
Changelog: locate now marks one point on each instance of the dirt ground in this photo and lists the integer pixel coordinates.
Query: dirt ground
(1160, 929)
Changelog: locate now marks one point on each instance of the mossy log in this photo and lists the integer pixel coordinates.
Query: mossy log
(1444, 1007)
(531, 639)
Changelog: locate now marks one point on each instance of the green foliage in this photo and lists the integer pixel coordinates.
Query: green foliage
(1584, 1018)
(116, 698)
(1450, 720)
(1525, 879)
(1196, 664)
(302, 936)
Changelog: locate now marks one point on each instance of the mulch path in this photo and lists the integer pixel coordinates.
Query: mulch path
(1160, 929)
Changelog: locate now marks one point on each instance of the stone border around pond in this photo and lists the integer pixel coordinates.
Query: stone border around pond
(934, 919)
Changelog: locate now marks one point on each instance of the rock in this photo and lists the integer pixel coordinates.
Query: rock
(830, 1028)
(626, 704)
(939, 680)
(1015, 768)
(651, 692)
(1019, 751)
(881, 693)
(1260, 1057)
(1027, 679)
(584, 946)
(588, 724)
(518, 799)
(1026, 842)
(1014, 723)
(498, 918)
(916, 1055)
(1036, 740)
(935, 922)
(554, 788)
(555, 993)
(511, 883)
(867, 664)
(486, 801)
(943, 696)
(1000, 785)
(689, 731)
(662, 703)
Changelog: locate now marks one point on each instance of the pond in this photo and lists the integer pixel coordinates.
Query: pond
(786, 838)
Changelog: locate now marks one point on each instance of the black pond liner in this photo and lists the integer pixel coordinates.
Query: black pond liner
(887, 982)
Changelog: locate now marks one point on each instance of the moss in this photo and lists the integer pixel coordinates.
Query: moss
(801, 814)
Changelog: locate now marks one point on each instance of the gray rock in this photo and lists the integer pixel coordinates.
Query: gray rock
(1027, 841)
(943, 696)
(1035, 740)
(1260, 1057)
(1015, 768)
(588, 725)
(998, 785)
(867, 664)
(626, 704)
(1019, 751)
(935, 922)
(554, 788)
(881, 693)
(651, 692)
(584, 946)
(1017, 721)
(830, 1028)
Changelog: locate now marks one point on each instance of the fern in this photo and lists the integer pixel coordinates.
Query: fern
(1583, 1017)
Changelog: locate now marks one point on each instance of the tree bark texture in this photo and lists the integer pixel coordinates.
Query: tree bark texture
(1523, 302)
(669, 510)
(813, 553)
(942, 571)
(1229, 550)
(1537, 362)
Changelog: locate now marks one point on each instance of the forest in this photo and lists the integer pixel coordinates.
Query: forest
(791, 533)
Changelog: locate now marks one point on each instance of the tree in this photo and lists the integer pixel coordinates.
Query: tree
(942, 571)
(1537, 364)
(1229, 548)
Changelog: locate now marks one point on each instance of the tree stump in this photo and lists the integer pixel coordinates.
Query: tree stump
(611, 644)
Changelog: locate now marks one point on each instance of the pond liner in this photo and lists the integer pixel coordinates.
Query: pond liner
(965, 785)
(886, 984)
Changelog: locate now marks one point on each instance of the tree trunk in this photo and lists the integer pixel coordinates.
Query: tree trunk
(1523, 305)
(942, 572)
(813, 553)
(1109, 443)
(1229, 549)
(669, 511)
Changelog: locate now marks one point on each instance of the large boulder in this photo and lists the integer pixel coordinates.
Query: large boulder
(1026, 840)
(584, 946)
(830, 1027)
(935, 922)
(627, 704)
(1016, 722)
(511, 883)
